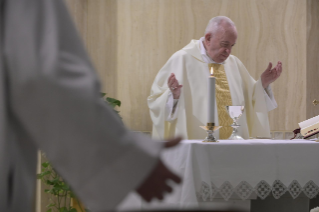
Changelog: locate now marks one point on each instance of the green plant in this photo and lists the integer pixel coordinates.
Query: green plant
(61, 193)
(112, 102)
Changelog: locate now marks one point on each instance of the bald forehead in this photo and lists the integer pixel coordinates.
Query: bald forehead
(226, 27)
(225, 30)
(226, 23)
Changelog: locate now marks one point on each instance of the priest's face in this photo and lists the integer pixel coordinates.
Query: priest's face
(219, 44)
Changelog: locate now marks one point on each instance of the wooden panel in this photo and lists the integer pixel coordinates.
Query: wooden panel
(312, 57)
(96, 21)
(267, 33)
(150, 32)
(130, 40)
(78, 10)
(102, 41)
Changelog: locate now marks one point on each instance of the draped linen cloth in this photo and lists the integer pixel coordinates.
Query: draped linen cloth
(234, 170)
(191, 71)
(50, 99)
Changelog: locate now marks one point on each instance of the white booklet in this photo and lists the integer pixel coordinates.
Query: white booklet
(309, 127)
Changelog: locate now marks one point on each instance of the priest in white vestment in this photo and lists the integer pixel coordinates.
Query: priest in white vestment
(50, 100)
(178, 100)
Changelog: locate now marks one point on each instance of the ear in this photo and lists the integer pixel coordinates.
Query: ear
(208, 37)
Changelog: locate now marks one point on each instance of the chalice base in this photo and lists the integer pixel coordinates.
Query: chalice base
(234, 135)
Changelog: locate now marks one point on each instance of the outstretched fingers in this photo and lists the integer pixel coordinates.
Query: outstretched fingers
(174, 177)
(172, 82)
(269, 67)
(168, 175)
(279, 68)
(167, 188)
(155, 185)
(170, 79)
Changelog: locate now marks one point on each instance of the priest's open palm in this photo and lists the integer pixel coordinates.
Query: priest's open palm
(270, 75)
(174, 86)
(155, 185)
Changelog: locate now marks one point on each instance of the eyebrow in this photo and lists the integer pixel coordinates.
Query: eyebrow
(227, 42)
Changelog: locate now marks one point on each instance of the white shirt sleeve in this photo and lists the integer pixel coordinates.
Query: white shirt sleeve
(270, 99)
(171, 108)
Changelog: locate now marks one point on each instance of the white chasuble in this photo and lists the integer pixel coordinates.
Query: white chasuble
(192, 72)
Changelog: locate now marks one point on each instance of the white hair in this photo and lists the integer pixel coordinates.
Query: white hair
(214, 24)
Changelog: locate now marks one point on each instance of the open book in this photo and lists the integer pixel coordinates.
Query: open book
(309, 127)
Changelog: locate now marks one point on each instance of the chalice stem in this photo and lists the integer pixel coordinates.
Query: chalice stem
(234, 135)
(235, 131)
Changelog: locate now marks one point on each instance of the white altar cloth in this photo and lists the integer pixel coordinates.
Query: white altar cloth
(242, 169)
(245, 167)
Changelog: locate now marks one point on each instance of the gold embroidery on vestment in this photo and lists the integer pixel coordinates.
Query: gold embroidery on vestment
(223, 99)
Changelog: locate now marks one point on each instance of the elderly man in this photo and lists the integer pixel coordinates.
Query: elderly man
(178, 100)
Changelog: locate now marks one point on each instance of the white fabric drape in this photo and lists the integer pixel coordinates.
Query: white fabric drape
(237, 169)
(50, 99)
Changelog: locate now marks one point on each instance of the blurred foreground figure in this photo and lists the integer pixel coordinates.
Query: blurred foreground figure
(50, 99)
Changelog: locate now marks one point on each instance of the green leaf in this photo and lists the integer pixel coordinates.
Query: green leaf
(113, 102)
(46, 173)
(103, 94)
(64, 209)
(49, 210)
(72, 195)
(65, 187)
(49, 182)
(73, 210)
(51, 205)
(45, 164)
(87, 210)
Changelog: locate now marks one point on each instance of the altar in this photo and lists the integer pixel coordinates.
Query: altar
(233, 174)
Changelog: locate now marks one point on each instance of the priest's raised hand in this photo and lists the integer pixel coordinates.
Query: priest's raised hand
(270, 75)
(174, 86)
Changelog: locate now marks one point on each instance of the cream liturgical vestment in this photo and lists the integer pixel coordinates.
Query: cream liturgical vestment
(191, 109)
(50, 99)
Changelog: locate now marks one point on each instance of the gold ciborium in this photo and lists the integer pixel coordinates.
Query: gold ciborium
(210, 128)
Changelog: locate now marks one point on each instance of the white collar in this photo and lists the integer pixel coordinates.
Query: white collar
(203, 53)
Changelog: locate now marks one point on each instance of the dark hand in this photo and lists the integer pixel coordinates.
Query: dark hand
(270, 75)
(155, 184)
(174, 86)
